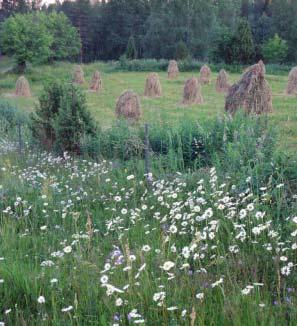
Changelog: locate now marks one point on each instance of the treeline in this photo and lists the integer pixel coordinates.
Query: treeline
(231, 31)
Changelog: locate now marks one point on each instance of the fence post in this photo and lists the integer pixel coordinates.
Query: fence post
(147, 159)
(20, 138)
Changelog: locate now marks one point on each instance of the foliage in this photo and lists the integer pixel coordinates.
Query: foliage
(235, 47)
(73, 121)
(61, 120)
(157, 26)
(242, 43)
(284, 23)
(12, 115)
(13, 125)
(36, 37)
(181, 51)
(275, 50)
(66, 43)
(223, 50)
(26, 38)
(131, 52)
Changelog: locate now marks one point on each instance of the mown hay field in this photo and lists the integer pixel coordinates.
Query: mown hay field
(167, 108)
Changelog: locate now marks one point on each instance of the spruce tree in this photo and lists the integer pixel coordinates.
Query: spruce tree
(131, 52)
(181, 51)
(62, 120)
(242, 43)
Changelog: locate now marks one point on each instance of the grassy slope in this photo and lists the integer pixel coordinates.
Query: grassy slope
(167, 108)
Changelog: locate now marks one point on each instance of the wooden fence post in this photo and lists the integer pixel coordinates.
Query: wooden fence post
(147, 158)
(20, 138)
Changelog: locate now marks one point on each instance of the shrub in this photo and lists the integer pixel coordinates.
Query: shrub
(275, 49)
(11, 119)
(236, 145)
(61, 120)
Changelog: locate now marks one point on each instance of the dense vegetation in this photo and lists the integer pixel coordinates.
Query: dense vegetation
(38, 38)
(237, 31)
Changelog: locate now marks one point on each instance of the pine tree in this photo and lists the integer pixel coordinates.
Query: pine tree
(131, 52)
(73, 121)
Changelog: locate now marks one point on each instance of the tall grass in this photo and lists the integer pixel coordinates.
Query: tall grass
(89, 243)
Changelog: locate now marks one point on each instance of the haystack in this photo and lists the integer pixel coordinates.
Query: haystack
(205, 75)
(128, 106)
(292, 83)
(78, 75)
(173, 70)
(251, 92)
(96, 82)
(22, 87)
(192, 92)
(153, 86)
(222, 84)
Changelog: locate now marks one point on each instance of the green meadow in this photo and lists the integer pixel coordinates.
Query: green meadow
(168, 108)
(208, 237)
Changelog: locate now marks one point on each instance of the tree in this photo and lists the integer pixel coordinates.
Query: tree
(223, 49)
(275, 49)
(73, 121)
(284, 23)
(80, 14)
(131, 52)
(245, 9)
(37, 37)
(26, 38)
(242, 43)
(42, 125)
(62, 120)
(182, 51)
(66, 42)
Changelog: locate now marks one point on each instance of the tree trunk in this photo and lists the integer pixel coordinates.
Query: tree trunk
(21, 67)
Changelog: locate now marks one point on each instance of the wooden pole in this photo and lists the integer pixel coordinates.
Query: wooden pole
(147, 159)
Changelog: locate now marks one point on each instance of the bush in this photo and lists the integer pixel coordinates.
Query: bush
(13, 124)
(275, 50)
(235, 145)
(61, 120)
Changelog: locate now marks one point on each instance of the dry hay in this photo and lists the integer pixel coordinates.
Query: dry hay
(251, 92)
(173, 70)
(78, 75)
(222, 84)
(292, 83)
(128, 106)
(22, 87)
(192, 92)
(153, 86)
(205, 74)
(96, 82)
